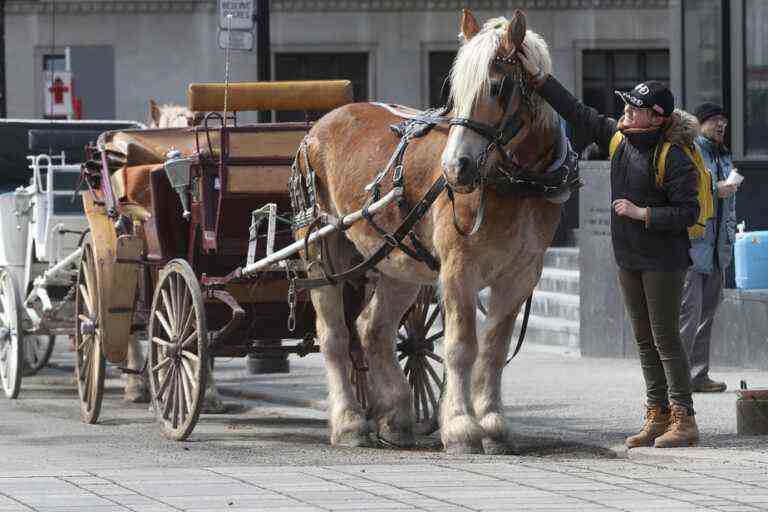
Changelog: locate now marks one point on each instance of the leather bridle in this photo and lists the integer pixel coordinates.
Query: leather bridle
(498, 136)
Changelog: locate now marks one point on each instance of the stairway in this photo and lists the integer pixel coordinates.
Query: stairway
(554, 319)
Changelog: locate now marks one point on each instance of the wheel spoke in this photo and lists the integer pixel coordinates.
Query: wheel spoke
(164, 323)
(166, 379)
(169, 400)
(186, 392)
(161, 341)
(190, 355)
(434, 337)
(428, 386)
(90, 281)
(178, 400)
(86, 300)
(433, 356)
(190, 374)
(174, 311)
(188, 341)
(185, 312)
(432, 318)
(161, 364)
(170, 310)
(434, 374)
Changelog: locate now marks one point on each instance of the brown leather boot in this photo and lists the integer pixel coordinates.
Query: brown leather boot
(656, 423)
(682, 430)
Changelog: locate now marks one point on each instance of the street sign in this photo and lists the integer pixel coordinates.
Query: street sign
(241, 11)
(236, 39)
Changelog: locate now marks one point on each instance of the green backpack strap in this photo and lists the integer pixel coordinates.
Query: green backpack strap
(614, 144)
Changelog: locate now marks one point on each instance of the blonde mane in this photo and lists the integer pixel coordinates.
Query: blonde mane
(470, 74)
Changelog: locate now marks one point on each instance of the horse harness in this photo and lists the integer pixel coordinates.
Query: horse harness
(560, 177)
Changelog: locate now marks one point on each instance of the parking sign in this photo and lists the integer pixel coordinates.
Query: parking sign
(241, 11)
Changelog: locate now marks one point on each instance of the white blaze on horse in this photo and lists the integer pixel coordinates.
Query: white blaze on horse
(501, 142)
(137, 388)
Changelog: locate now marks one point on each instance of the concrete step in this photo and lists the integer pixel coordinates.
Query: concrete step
(555, 305)
(565, 258)
(549, 331)
(559, 280)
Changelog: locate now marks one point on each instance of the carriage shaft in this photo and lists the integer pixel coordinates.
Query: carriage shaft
(346, 220)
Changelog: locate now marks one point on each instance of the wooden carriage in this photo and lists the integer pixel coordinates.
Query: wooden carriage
(173, 216)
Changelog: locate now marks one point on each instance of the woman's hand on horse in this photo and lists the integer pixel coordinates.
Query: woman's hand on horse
(626, 208)
(529, 66)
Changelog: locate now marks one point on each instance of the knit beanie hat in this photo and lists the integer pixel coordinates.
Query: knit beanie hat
(707, 110)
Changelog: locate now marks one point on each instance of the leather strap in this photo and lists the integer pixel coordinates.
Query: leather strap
(523, 328)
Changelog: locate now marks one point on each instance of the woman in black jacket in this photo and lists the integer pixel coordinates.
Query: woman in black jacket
(650, 238)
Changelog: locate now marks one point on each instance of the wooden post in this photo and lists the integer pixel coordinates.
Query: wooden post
(752, 412)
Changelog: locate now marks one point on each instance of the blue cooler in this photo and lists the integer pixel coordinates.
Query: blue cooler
(751, 251)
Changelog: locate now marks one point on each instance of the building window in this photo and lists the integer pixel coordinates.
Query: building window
(606, 71)
(54, 62)
(322, 66)
(703, 62)
(756, 78)
(439, 77)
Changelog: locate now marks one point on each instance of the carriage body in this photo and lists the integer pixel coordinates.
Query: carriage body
(43, 225)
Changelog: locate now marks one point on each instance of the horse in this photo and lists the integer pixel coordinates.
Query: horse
(171, 116)
(347, 148)
(137, 387)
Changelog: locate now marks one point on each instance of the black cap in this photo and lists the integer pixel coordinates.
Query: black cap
(707, 110)
(652, 94)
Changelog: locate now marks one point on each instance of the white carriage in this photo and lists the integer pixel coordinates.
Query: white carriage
(42, 226)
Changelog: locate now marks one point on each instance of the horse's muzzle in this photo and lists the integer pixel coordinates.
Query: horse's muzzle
(461, 174)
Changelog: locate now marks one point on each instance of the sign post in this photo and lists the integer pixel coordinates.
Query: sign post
(236, 24)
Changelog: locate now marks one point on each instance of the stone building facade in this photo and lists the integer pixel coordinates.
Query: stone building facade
(126, 51)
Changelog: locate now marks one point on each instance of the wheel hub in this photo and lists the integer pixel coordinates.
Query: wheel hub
(87, 327)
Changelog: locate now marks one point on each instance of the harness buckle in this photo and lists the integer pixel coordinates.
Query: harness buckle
(397, 175)
(390, 240)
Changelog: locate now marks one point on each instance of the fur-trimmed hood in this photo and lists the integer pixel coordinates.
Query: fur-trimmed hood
(682, 128)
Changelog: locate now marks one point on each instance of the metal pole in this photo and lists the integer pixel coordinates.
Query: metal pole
(3, 106)
(264, 52)
(346, 221)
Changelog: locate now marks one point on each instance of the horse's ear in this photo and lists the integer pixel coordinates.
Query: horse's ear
(154, 112)
(516, 31)
(469, 25)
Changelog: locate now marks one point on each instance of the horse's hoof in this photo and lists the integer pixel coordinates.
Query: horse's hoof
(496, 447)
(396, 440)
(353, 440)
(213, 405)
(138, 395)
(463, 449)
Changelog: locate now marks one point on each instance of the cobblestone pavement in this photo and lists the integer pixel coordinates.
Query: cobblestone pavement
(271, 451)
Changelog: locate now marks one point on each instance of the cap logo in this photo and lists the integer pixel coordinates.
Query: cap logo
(642, 89)
(635, 101)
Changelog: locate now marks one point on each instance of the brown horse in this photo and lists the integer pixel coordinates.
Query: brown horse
(347, 148)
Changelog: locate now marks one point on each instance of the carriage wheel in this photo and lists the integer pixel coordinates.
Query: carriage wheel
(90, 363)
(178, 350)
(11, 346)
(420, 362)
(37, 353)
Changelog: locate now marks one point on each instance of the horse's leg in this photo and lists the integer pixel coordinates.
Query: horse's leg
(348, 424)
(137, 385)
(212, 403)
(388, 392)
(459, 430)
(503, 308)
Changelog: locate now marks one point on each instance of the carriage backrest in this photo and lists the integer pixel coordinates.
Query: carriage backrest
(317, 95)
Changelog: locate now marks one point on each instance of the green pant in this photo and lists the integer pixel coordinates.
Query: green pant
(652, 300)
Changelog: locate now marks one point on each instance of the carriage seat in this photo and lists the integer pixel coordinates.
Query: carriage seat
(310, 95)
